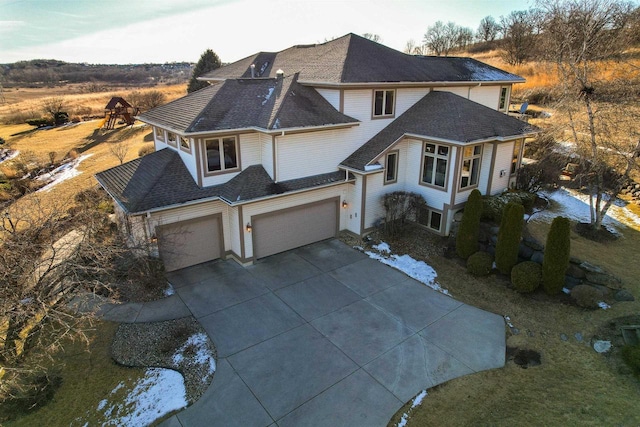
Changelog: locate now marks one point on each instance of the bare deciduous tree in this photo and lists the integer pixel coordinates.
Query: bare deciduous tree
(373, 37)
(119, 150)
(440, 38)
(578, 35)
(518, 29)
(488, 29)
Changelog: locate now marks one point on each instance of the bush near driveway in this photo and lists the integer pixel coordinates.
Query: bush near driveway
(480, 263)
(557, 253)
(526, 276)
(509, 237)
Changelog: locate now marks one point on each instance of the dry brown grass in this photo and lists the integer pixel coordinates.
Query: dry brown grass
(84, 138)
(574, 385)
(28, 101)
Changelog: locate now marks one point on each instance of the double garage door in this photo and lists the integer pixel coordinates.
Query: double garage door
(186, 243)
(286, 229)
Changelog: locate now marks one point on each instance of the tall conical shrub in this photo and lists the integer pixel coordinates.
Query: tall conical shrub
(467, 238)
(557, 253)
(509, 237)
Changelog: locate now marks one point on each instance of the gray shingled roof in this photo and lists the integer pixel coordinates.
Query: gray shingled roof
(160, 180)
(354, 59)
(247, 103)
(440, 115)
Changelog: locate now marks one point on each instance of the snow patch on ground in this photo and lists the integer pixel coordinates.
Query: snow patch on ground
(159, 392)
(6, 155)
(603, 305)
(602, 346)
(62, 173)
(416, 401)
(419, 270)
(169, 290)
(198, 353)
(575, 206)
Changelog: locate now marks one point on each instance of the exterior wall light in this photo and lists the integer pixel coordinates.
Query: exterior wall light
(249, 228)
(345, 204)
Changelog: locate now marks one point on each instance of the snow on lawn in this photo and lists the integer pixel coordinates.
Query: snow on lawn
(62, 173)
(416, 401)
(419, 270)
(575, 206)
(6, 155)
(159, 392)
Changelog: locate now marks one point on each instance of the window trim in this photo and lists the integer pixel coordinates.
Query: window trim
(374, 116)
(422, 157)
(473, 156)
(507, 96)
(159, 134)
(385, 179)
(430, 212)
(516, 157)
(173, 143)
(222, 170)
(189, 144)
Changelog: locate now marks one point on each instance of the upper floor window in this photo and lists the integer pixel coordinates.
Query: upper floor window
(222, 153)
(172, 138)
(391, 168)
(185, 143)
(470, 166)
(383, 103)
(504, 99)
(516, 155)
(434, 166)
(160, 134)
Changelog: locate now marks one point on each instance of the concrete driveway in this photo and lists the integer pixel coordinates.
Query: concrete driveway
(324, 336)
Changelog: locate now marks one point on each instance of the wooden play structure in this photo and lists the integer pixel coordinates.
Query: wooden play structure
(118, 110)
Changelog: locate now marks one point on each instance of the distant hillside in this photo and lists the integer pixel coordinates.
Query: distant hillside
(49, 72)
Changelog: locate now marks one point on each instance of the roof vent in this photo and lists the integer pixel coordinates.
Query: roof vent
(279, 74)
(253, 71)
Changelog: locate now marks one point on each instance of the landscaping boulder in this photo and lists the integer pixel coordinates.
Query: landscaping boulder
(533, 243)
(570, 282)
(590, 268)
(604, 280)
(623, 295)
(525, 251)
(575, 271)
(586, 296)
(537, 257)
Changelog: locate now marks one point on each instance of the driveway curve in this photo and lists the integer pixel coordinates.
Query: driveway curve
(321, 336)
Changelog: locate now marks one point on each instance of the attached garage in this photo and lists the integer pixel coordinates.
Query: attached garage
(186, 243)
(285, 229)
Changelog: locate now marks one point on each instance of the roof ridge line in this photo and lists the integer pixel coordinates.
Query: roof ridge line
(159, 175)
(275, 117)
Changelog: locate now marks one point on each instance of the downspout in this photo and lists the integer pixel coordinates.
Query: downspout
(472, 87)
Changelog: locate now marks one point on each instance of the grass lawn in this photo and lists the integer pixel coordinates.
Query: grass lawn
(574, 385)
(87, 378)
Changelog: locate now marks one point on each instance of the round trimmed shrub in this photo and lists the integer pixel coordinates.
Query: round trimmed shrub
(480, 263)
(526, 276)
(467, 237)
(509, 237)
(557, 253)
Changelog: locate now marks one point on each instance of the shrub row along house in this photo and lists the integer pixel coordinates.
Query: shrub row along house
(288, 148)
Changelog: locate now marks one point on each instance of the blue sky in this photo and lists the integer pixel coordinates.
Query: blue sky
(139, 31)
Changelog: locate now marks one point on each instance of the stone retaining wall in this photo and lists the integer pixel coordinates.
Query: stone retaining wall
(579, 272)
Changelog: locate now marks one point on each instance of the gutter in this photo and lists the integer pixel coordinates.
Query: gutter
(250, 129)
(364, 85)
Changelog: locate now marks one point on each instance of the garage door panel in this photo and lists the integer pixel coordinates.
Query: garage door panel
(291, 228)
(190, 242)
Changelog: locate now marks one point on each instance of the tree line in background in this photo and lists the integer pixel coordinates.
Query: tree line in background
(40, 72)
(519, 34)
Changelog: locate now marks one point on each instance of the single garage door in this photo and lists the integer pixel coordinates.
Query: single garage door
(286, 229)
(191, 242)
